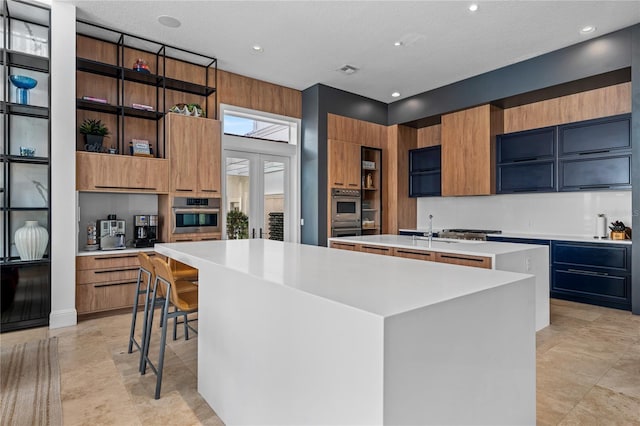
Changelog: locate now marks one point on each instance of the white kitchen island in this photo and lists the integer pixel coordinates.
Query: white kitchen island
(297, 334)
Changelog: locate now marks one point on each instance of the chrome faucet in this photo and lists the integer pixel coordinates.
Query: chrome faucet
(430, 228)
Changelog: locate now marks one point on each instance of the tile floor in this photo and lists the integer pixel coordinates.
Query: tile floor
(588, 372)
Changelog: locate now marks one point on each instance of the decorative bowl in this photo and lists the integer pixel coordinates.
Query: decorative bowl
(23, 81)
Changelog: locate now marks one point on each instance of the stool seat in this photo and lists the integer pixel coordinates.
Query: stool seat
(185, 286)
(188, 301)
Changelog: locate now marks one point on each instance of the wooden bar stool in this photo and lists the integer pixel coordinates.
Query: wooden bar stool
(166, 287)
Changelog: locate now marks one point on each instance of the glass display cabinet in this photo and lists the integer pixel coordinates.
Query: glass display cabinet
(371, 204)
(25, 190)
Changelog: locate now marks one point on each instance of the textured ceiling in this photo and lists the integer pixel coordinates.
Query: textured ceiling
(305, 42)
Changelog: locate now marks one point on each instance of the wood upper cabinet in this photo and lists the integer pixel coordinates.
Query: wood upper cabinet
(468, 150)
(194, 154)
(344, 164)
(121, 173)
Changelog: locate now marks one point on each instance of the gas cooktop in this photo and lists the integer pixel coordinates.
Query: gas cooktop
(467, 234)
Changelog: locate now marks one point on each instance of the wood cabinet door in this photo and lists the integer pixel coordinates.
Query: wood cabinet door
(183, 138)
(468, 150)
(414, 254)
(387, 251)
(336, 156)
(208, 160)
(352, 166)
(120, 173)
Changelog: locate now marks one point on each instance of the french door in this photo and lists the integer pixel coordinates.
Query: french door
(257, 185)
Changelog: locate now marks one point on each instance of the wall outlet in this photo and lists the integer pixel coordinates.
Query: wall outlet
(527, 264)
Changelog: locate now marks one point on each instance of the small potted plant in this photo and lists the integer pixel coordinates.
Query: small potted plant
(237, 225)
(94, 133)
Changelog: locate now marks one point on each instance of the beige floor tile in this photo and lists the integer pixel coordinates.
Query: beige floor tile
(622, 382)
(604, 407)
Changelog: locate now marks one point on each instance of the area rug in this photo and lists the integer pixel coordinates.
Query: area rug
(30, 384)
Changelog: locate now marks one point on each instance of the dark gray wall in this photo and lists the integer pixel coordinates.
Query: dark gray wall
(597, 56)
(317, 102)
(635, 138)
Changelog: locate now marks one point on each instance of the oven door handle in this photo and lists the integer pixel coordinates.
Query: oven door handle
(194, 211)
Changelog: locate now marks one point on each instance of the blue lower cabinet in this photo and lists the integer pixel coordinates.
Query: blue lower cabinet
(518, 240)
(595, 273)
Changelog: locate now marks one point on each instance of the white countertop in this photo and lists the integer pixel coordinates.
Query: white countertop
(108, 252)
(380, 285)
(444, 245)
(537, 236)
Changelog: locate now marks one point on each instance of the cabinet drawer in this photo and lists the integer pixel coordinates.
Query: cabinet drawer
(523, 146)
(107, 261)
(589, 286)
(526, 177)
(464, 260)
(103, 297)
(388, 251)
(92, 276)
(595, 173)
(414, 254)
(343, 246)
(601, 256)
(592, 136)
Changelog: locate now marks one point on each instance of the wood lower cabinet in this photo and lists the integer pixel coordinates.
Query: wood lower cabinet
(344, 165)
(414, 254)
(106, 282)
(194, 154)
(464, 260)
(344, 246)
(121, 173)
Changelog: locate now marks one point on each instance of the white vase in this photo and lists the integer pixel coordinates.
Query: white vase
(31, 240)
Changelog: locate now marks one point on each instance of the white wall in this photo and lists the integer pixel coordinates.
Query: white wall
(564, 213)
(63, 165)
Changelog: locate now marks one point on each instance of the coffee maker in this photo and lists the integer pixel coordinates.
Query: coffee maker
(145, 230)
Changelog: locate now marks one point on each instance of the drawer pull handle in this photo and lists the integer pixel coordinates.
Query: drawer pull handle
(338, 183)
(106, 271)
(209, 190)
(594, 152)
(353, 184)
(127, 187)
(595, 187)
(114, 284)
(209, 239)
(376, 248)
(414, 252)
(184, 190)
(472, 259)
(115, 257)
(594, 273)
(519, 160)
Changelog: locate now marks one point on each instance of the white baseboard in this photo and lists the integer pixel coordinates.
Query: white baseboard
(63, 318)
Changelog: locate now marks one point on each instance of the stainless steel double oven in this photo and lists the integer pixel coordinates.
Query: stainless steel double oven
(345, 212)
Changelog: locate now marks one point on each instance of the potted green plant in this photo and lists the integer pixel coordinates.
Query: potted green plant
(237, 225)
(94, 133)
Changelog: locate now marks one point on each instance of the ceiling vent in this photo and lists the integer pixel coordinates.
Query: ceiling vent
(348, 69)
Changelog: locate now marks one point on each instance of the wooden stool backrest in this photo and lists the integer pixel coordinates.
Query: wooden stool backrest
(146, 264)
(164, 271)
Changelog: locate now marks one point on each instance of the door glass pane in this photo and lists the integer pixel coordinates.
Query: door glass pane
(29, 183)
(273, 200)
(238, 187)
(30, 133)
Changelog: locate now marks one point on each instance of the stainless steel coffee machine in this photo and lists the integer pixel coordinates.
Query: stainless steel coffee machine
(111, 233)
(145, 230)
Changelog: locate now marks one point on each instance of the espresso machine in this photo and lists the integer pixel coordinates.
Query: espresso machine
(145, 230)
(110, 233)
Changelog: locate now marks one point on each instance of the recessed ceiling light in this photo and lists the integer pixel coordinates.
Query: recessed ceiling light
(257, 48)
(473, 7)
(169, 21)
(395, 94)
(398, 43)
(588, 29)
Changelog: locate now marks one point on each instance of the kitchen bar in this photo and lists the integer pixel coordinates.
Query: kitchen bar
(299, 334)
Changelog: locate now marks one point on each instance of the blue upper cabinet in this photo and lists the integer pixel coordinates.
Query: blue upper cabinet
(584, 156)
(424, 172)
(595, 154)
(598, 136)
(526, 161)
(531, 145)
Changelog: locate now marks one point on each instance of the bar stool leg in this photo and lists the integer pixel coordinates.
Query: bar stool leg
(163, 343)
(134, 314)
(149, 327)
(145, 317)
